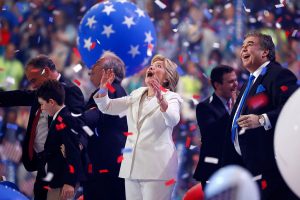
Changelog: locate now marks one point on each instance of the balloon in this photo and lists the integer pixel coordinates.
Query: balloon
(9, 193)
(195, 193)
(9, 184)
(120, 27)
(232, 183)
(287, 142)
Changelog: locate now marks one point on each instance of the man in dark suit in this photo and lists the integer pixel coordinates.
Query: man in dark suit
(106, 145)
(255, 114)
(213, 117)
(38, 70)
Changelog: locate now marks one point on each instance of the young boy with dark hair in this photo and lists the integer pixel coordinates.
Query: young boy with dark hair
(62, 151)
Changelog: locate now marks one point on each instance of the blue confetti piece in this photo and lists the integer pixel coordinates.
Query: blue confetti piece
(126, 150)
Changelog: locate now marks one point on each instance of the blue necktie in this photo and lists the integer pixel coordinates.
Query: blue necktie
(238, 112)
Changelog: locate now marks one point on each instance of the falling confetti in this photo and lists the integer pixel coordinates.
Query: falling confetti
(258, 101)
(90, 168)
(160, 4)
(88, 130)
(59, 118)
(60, 126)
(170, 182)
(127, 133)
(76, 52)
(284, 88)
(71, 169)
(120, 159)
(126, 150)
(46, 187)
(188, 142)
(110, 88)
(163, 89)
(101, 171)
(263, 184)
(77, 68)
(77, 82)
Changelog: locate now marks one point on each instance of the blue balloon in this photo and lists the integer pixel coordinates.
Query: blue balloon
(9, 193)
(120, 27)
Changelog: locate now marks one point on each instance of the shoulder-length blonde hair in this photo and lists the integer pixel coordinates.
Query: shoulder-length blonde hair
(172, 75)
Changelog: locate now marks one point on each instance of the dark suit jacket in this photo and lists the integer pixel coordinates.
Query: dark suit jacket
(257, 147)
(62, 151)
(104, 147)
(212, 118)
(74, 100)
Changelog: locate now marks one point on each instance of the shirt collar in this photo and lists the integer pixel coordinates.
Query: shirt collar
(257, 72)
(55, 115)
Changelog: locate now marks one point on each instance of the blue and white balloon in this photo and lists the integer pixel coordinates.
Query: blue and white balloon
(120, 27)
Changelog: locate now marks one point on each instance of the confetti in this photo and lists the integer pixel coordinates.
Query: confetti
(216, 45)
(188, 142)
(88, 130)
(50, 19)
(48, 177)
(193, 127)
(101, 171)
(93, 45)
(258, 101)
(90, 168)
(77, 68)
(76, 115)
(43, 72)
(211, 160)
(120, 159)
(163, 89)
(180, 59)
(110, 88)
(126, 150)
(248, 10)
(294, 33)
(76, 52)
(59, 118)
(46, 187)
(196, 96)
(77, 82)
(71, 169)
(127, 133)
(263, 184)
(284, 88)
(160, 4)
(170, 182)
(60, 126)
(279, 5)
(149, 50)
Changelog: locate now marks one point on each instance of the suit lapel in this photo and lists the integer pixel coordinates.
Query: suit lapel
(149, 109)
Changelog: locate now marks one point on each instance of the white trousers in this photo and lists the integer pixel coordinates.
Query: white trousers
(147, 190)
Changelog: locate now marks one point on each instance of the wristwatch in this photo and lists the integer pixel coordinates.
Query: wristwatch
(261, 120)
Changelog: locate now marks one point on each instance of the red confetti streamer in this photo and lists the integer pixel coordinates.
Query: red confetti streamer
(170, 182)
(188, 142)
(163, 89)
(34, 70)
(110, 88)
(93, 45)
(196, 96)
(263, 184)
(258, 101)
(60, 126)
(180, 59)
(127, 133)
(59, 118)
(284, 88)
(46, 187)
(76, 52)
(71, 169)
(120, 159)
(90, 168)
(101, 171)
(77, 82)
(193, 127)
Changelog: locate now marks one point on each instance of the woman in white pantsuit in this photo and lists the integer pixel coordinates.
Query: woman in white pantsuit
(150, 157)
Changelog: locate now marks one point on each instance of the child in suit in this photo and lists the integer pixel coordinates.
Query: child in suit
(62, 149)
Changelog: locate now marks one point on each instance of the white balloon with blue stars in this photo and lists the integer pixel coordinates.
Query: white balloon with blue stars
(117, 26)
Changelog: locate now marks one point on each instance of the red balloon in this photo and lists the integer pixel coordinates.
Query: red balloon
(195, 193)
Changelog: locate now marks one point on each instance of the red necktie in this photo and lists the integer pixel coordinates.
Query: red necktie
(33, 132)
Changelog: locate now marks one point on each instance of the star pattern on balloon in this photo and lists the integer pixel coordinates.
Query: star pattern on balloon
(120, 27)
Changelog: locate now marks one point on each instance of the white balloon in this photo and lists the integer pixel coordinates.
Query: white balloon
(287, 142)
(232, 183)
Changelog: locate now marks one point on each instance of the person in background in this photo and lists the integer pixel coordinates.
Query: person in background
(149, 162)
(38, 70)
(250, 141)
(213, 118)
(106, 144)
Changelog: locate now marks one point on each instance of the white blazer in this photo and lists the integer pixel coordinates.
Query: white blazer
(153, 155)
